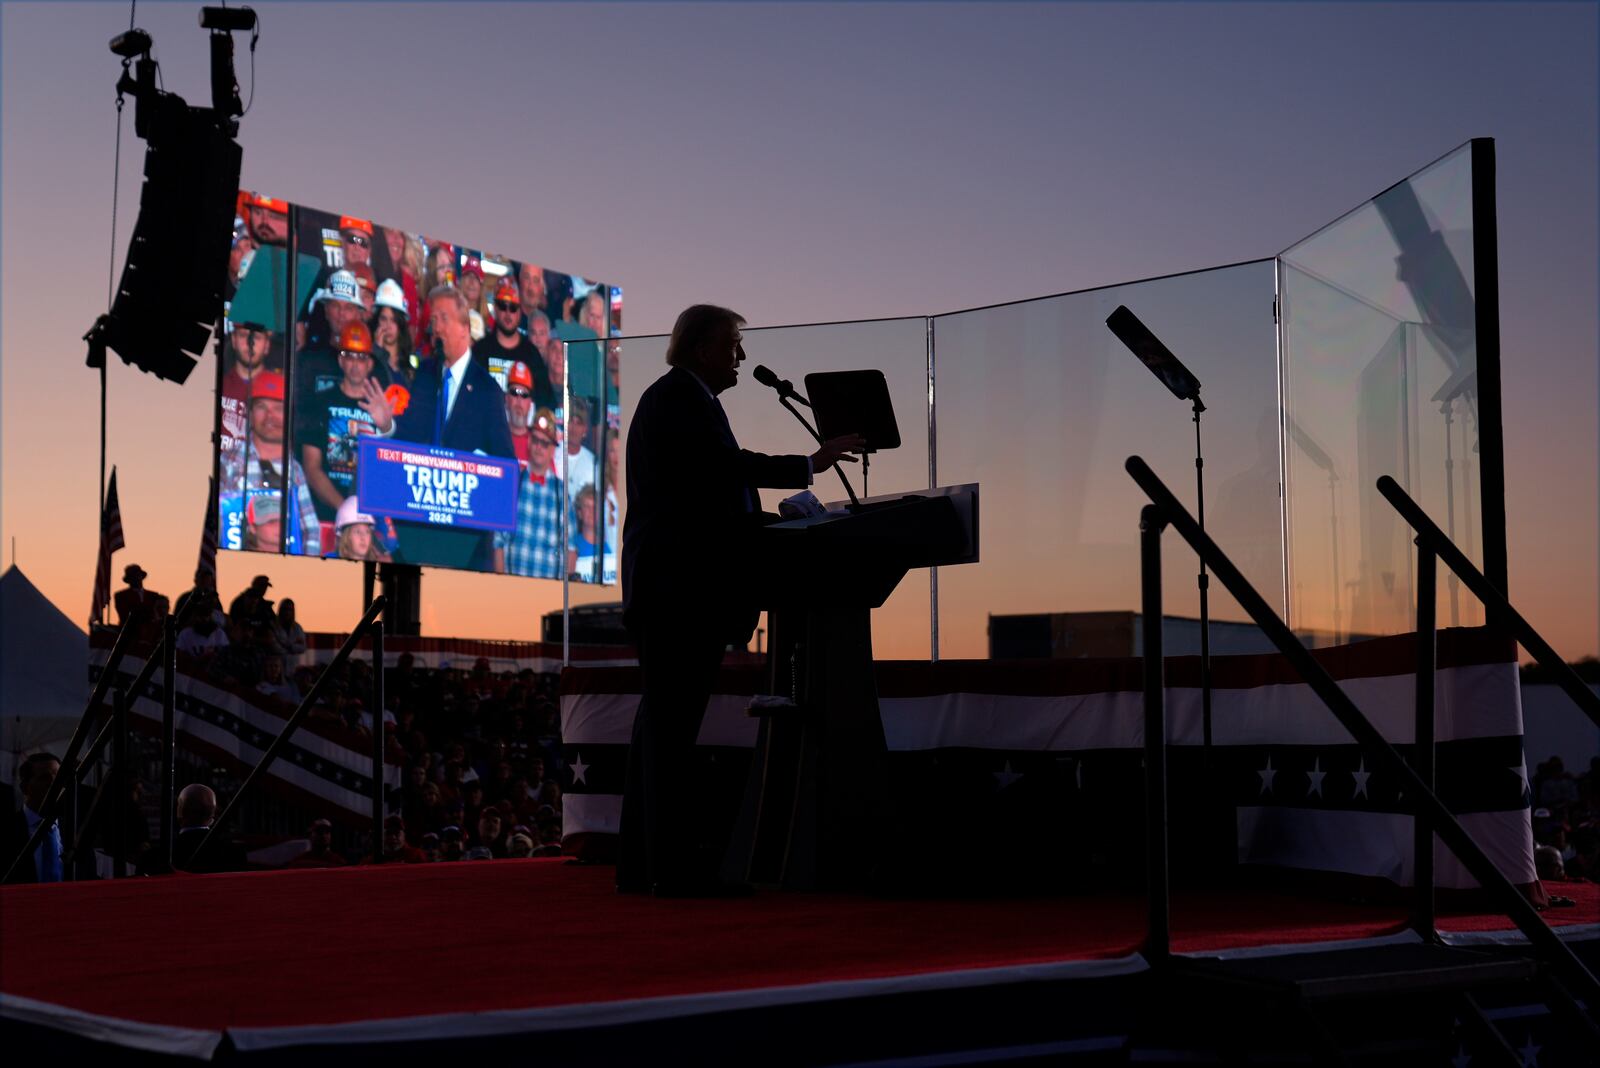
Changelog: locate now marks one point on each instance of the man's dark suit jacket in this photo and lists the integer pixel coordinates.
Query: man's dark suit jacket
(14, 834)
(693, 510)
(221, 855)
(477, 422)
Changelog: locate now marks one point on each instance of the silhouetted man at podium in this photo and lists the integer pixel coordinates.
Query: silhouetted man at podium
(687, 560)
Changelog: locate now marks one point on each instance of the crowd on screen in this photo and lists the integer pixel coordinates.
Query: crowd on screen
(400, 336)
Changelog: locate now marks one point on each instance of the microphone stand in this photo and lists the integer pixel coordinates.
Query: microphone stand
(784, 400)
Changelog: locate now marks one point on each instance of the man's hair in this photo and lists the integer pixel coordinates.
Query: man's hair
(454, 296)
(196, 802)
(537, 314)
(697, 326)
(33, 765)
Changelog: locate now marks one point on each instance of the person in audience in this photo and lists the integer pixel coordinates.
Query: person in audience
(395, 848)
(487, 840)
(534, 547)
(391, 330)
(519, 845)
(267, 219)
(260, 467)
(288, 636)
(451, 847)
(274, 683)
(321, 854)
(202, 638)
(580, 458)
(356, 534)
(506, 344)
(136, 605)
(22, 815)
(251, 608)
(203, 595)
(430, 847)
(197, 810)
(249, 352)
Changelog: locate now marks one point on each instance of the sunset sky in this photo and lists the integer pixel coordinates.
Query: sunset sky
(820, 162)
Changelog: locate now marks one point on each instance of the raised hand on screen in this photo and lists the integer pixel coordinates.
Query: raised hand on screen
(375, 404)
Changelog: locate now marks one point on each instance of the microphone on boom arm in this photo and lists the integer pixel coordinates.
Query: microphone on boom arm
(787, 394)
(768, 377)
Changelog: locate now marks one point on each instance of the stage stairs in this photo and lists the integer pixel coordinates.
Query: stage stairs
(1401, 1004)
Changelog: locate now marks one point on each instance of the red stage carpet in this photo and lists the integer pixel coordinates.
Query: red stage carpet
(276, 957)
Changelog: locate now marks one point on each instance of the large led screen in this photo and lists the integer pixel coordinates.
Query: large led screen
(388, 396)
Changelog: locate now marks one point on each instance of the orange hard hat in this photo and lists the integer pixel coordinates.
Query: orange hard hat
(350, 222)
(520, 375)
(507, 290)
(355, 337)
(270, 203)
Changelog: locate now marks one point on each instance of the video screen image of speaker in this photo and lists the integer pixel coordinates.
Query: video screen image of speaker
(388, 395)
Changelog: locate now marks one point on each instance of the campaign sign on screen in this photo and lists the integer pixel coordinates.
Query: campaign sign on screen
(442, 487)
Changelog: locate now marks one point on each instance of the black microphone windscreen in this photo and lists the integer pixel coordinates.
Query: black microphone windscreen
(765, 375)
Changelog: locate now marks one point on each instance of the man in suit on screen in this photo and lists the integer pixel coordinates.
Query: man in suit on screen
(687, 559)
(454, 402)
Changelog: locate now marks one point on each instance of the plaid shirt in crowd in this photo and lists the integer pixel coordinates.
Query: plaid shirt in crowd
(242, 474)
(535, 548)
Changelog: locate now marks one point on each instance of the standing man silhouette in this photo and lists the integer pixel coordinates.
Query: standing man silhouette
(687, 559)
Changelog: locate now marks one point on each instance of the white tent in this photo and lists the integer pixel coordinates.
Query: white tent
(44, 685)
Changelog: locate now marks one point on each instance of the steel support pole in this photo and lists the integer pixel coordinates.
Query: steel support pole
(169, 712)
(1158, 942)
(1423, 919)
(377, 742)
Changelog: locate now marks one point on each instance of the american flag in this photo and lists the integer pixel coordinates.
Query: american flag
(208, 536)
(110, 542)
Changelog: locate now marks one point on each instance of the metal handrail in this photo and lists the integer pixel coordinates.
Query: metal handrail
(69, 760)
(1500, 611)
(1372, 742)
(301, 711)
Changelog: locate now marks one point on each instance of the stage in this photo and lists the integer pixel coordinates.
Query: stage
(280, 965)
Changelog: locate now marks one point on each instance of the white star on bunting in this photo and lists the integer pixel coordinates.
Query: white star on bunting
(1520, 770)
(1005, 776)
(1530, 1053)
(1361, 776)
(1316, 775)
(1267, 775)
(579, 769)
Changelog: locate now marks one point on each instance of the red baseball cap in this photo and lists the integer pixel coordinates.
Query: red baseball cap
(472, 266)
(266, 385)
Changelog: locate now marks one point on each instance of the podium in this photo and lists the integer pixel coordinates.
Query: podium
(817, 785)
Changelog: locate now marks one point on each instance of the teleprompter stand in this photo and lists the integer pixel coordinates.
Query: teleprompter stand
(816, 793)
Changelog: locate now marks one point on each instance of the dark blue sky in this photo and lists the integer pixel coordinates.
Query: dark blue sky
(808, 162)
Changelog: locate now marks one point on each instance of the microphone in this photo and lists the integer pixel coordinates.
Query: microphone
(787, 393)
(768, 377)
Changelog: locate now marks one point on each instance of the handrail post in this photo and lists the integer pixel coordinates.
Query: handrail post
(169, 711)
(1372, 742)
(1498, 610)
(1423, 760)
(121, 783)
(1158, 942)
(377, 742)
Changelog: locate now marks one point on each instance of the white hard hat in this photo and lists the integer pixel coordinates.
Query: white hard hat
(390, 295)
(349, 514)
(342, 286)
